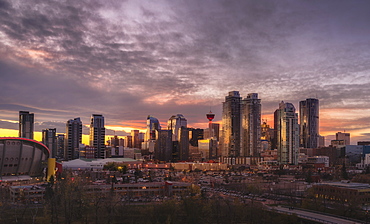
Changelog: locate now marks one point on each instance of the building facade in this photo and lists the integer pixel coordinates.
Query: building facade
(73, 139)
(177, 124)
(22, 157)
(287, 129)
(26, 124)
(60, 145)
(251, 126)
(343, 136)
(231, 125)
(152, 128)
(97, 135)
(50, 140)
(163, 146)
(309, 123)
(174, 124)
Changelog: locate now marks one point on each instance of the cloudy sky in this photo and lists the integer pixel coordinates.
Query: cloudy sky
(128, 59)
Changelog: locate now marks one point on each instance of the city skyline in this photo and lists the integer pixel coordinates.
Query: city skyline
(128, 60)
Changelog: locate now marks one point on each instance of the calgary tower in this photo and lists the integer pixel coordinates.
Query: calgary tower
(210, 117)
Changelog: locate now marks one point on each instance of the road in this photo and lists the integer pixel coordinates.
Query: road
(314, 216)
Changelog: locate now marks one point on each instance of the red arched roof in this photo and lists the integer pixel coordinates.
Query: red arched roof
(26, 139)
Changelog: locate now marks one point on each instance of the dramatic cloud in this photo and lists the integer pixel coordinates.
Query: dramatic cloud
(129, 59)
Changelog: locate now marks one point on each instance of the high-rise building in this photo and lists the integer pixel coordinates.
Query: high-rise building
(251, 126)
(213, 130)
(343, 136)
(128, 141)
(50, 140)
(60, 145)
(73, 139)
(152, 127)
(309, 123)
(195, 135)
(163, 146)
(321, 142)
(151, 134)
(287, 129)
(177, 124)
(267, 136)
(231, 125)
(97, 135)
(135, 139)
(26, 126)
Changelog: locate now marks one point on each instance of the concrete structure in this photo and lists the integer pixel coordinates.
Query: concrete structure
(213, 130)
(309, 123)
(163, 146)
(177, 124)
(195, 135)
(87, 152)
(151, 134)
(49, 139)
(346, 137)
(286, 125)
(207, 148)
(321, 142)
(22, 156)
(28, 194)
(343, 192)
(319, 159)
(267, 135)
(251, 126)
(73, 139)
(199, 166)
(136, 143)
(174, 124)
(95, 164)
(127, 141)
(97, 135)
(60, 138)
(36, 193)
(26, 124)
(337, 143)
(231, 125)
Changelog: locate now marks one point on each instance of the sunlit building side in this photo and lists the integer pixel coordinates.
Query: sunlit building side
(230, 143)
(251, 125)
(286, 125)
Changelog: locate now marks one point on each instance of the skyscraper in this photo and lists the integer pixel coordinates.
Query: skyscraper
(151, 134)
(251, 125)
(287, 129)
(152, 127)
(231, 124)
(73, 139)
(135, 139)
(163, 146)
(60, 145)
(309, 123)
(97, 135)
(50, 140)
(26, 121)
(177, 124)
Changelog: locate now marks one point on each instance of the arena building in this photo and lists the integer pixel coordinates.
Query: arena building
(21, 159)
